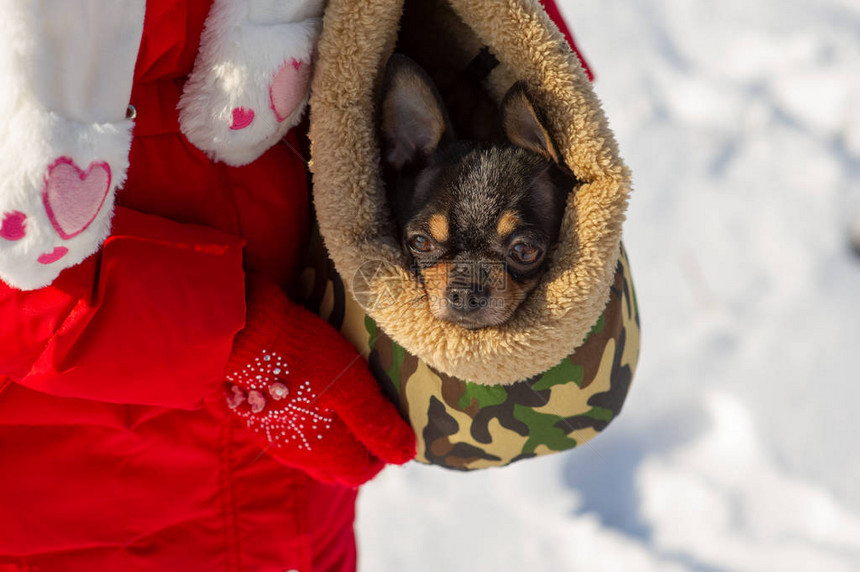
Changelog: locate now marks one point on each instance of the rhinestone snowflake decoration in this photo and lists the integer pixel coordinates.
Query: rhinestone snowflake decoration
(298, 421)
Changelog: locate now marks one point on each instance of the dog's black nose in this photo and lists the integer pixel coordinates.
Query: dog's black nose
(466, 298)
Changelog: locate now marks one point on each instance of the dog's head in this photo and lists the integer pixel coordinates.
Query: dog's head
(477, 221)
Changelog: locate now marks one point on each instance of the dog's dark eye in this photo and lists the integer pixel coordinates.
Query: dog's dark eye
(524, 253)
(420, 243)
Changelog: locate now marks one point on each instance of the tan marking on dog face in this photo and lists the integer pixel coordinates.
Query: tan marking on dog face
(514, 294)
(508, 223)
(435, 284)
(438, 225)
(504, 296)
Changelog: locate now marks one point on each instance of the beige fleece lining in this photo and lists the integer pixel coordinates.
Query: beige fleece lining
(356, 41)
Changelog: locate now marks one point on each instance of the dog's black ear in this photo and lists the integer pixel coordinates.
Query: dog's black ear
(524, 125)
(412, 118)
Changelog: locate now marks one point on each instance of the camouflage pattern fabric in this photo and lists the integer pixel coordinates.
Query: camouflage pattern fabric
(463, 425)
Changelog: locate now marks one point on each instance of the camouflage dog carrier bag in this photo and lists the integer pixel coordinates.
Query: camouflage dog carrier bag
(556, 373)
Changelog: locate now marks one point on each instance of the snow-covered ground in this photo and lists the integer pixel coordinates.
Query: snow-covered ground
(738, 446)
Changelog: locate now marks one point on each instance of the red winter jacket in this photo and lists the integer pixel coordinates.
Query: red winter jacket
(117, 451)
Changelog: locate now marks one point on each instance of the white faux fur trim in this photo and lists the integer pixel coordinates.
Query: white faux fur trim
(66, 70)
(74, 57)
(30, 143)
(244, 44)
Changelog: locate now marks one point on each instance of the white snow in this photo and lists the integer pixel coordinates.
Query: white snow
(738, 446)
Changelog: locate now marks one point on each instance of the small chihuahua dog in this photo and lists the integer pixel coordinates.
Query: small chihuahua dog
(477, 220)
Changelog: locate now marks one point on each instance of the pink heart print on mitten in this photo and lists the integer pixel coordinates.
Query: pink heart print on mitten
(242, 117)
(73, 197)
(289, 88)
(55, 210)
(251, 78)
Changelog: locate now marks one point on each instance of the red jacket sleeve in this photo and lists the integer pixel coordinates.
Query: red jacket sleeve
(149, 320)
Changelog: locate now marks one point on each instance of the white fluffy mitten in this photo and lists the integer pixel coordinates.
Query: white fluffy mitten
(250, 81)
(66, 69)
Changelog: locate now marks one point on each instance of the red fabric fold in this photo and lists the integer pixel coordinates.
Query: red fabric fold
(150, 321)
